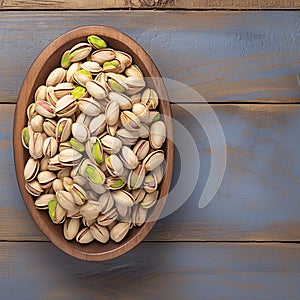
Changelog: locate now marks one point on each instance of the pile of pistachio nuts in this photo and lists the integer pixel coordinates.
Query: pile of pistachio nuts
(94, 136)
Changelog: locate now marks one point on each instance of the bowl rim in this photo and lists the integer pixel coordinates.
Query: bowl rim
(22, 103)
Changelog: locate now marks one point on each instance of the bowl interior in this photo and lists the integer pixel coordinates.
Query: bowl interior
(47, 61)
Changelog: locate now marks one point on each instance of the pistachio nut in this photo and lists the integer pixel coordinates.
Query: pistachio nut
(50, 95)
(66, 106)
(153, 160)
(150, 183)
(89, 106)
(149, 200)
(112, 130)
(79, 92)
(97, 125)
(79, 194)
(45, 179)
(123, 100)
(66, 200)
(114, 165)
(57, 185)
(94, 150)
(93, 67)
(110, 144)
(136, 177)
(134, 85)
(150, 98)
(52, 204)
(100, 233)
(134, 71)
(63, 129)
(144, 131)
(90, 210)
(42, 201)
(50, 147)
(129, 120)
(40, 93)
(37, 123)
(49, 127)
(45, 109)
(123, 211)
(115, 183)
(82, 77)
(80, 132)
(25, 137)
(124, 58)
(119, 231)
(34, 188)
(141, 110)
(94, 174)
(139, 215)
(123, 198)
(71, 228)
(114, 66)
(108, 218)
(44, 164)
(31, 169)
(69, 157)
(116, 82)
(63, 89)
(95, 89)
(84, 236)
(76, 145)
(59, 215)
(138, 195)
(72, 70)
(83, 118)
(36, 142)
(96, 42)
(56, 76)
(77, 173)
(127, 137)
(158, 133)
(79, 52)
(128, 158)
(112, 113)
(54, 164)
(106, 202)
(65, 60)
(102, 55)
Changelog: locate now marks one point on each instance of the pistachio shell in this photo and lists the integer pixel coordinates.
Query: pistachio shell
(36, 142)
(141, 149)
(40, 93)
(139, 215)
(138, 195)
(136, 177)
(158, 133)
(94, 150)
(91, 66)
(63, 89)
(123, 198)
(69, 157)
(79, 52)
(95, 89)
(103, 55)
(71, 228)
(65, 172)
(112, 113)
(127, 137)
(72, 70)
(149, 200)
(141, 110)
(150, 98)
(50, 147)
(80, 132)
(100, 233)
(42, 201)
(54, 164)
(111, 145)
(128, 158)
(37, 123)
(97, 125)
(123, 100)
(82, 77)
(153, 160)
(106, 202)
(45, 178)
(159, 173)
(124, 58)
(144, 131)
(114, 66)
(134, 85)
(66, 200)
(63, 129)
(89, 106)
(119, 231)
(79, 194)
(90, 210)
(84, 236)
(45, 109)
(56, 76)
(31, 112)
(83, 118)
(116, 82)
(34, 188)
(57, 185)
(129, 120)
(66, 106)
(50, 96)
(150, 183)
(49, 127)
(107, 218)
(31, 169)
(134, 71)
(44, 164)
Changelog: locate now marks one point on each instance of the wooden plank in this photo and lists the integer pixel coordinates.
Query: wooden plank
(150, 4)
(225, 56)
(153, 271)
(258, 198)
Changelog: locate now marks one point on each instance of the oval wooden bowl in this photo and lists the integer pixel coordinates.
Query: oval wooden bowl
(47, 61)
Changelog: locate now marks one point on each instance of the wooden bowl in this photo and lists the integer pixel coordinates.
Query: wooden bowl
(47, 61)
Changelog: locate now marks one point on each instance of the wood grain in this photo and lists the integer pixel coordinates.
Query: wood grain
(225, 56)
(258, 198)
(153, 271)
(150, 4)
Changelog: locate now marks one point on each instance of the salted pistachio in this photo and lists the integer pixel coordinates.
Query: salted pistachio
(110, 144)
(124, 58)
(138, 195)
(40, 93)
(45, 109)
(54, 164)
(141, 110)
(112, 130)
(69, 157)
(144, 131)
(123, 197)
(123, 100)
(134, 71)
(149, 200)
(154, 115)
(90, 210)
(84, 236)
(49, 127)
(100, 233)
(57, 185)
(42, 201)
(127, 137)
(150, 183)
(150, 98)
(106, 202)
(65, 60)
(45, 179)
(83, 118)
(108, 218)
(89, 106)
(44, 163)
(79, 194)
(116, 82)
(66, 200)
(76, 145)
(63, 129)
(128, 158)
(95, 89)
(31, 169)
(80, 132)
(139, 215)
(153, 160)
(71, 228)
(136, 177)
(25, 137)
(129, 120)
(72, 70)
(31, 112)
(136, 98)
(159, 173)
(102, 55)
(134, 85)
(36, 141)
(82, 77)
(94, 150)
(37, 123)
(79, 92)
(50, 147)
(50, 95)
(93, 67)
(34, 188)
(114, 66)
(63, 89)
(119, 231)
(79, 52)
(56, 76)
(114, 183)
(96, 42)
(112, 113)
(66, 106)
(97, 125)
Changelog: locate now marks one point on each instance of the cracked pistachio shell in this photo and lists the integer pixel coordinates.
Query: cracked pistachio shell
(123, 198)
(37, 123)
(116, 82)
(149, 200)
(66, 200)
(128, 158)
(110, 144)
(44, 164)
(90, 210)
(141, 110)
(71, 228)
(139, 215)
(150, 183)
(54, 164)
(112, 130)
(67, 183)
(56, 76)
(79, 52)
(144, 131)
(76, 145)
(95, 89)
(59, 214)
(97, 124)
(96, 42)
(66, 106)
(31, 169)
(49, 127)
(80, 132)
(69, 157)
(115, 183)
(134, 71)
(84, 236)
(112, 113)
(50, 96)
(34, 188)
(103, 55)
(79, 92)
(65, 172)
(100, 233)
(136, 177)
(106, 202)
(82, 77)
(129, 120)
(108, 218)
(64, 145)
(36, 142)
(79, 194)
(138, 195)
(31, 112)
(136, 98)
(63, 89)
(150, 98)
(119, 231)
(40, 93)
(153, 160)
(65, 60)
(89, 106)
(123, 100)
(42, 201)
(124, 58)
(83, 118)
(63, 129)
(94, 150)
(127, 137)
(141, 149)
(45, 178)
(91, 66)
(158, 133)
(50, 147)
(134, 85)
(159, 173)
(57, 185)
(45, 109)
(72, 70)
(114, 165)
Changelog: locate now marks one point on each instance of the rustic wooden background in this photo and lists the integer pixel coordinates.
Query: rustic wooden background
(245, 244)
